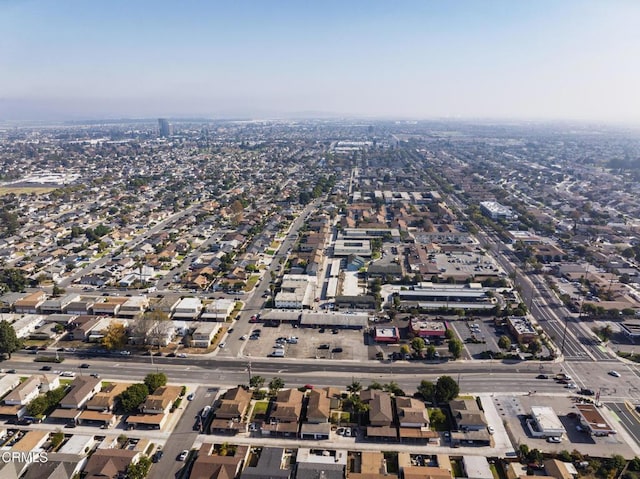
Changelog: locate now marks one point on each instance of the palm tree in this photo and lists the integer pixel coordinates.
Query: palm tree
(354, 388)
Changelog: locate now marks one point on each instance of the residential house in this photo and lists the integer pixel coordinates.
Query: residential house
(204, 334)
(381, 418)
(230, 414)
(24, 393)
(211, 465)
(82, 327)
(188, 308)
(110, 463)
(58, 305)
(317, 426)
(285, 414)
(57, 466)
(413, 419)
(273, 462)
(82, 389)
(161, 400)
(30, 303)
(372, 465)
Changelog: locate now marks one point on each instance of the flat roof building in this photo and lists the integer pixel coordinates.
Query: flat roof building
(545, 422)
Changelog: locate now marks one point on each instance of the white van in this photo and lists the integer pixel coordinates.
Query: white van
(277, 353)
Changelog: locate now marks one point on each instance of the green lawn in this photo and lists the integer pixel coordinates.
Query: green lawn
(260, 408)
(251, 282)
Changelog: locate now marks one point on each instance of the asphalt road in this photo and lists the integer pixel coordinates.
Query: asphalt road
(629, 419)
(183, 435)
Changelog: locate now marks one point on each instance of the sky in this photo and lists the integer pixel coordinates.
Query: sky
(524, 59)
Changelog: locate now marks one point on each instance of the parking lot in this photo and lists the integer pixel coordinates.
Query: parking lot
(514, 410)
(321, 343)
(478, 335)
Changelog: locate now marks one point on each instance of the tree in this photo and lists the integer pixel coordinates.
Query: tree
(431, 352)
(275, 385)
(393, 388)
(12, 279)
(133, 396)
(9, 342)
(56, 439)
(534, 347)
(115, 336)
(57, 291)
(427, 390)
(437, 419)
(455, 348)
(504, 342)
(446, 389)
(418, 344)
(354, 388)
(140, 469)
(256, 382)
(151, 328)
(449, 334)
(155, 380)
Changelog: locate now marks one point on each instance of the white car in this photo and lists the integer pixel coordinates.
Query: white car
(181, 355)
(491, 429)
(183, 455)
(554, 440)
(615, 374)
(222, 344)
(68, 374)
(571, 386)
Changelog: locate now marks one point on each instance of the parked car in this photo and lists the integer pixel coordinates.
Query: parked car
(190, 397)
(586, 392)
(554, 440)
(324, 346)
(613, 373)
(158, 455)
(336, 350)
(183, 455)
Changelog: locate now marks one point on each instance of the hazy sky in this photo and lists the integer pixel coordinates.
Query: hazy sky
(573, 59)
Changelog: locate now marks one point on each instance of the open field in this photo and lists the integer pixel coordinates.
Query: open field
(25, 190)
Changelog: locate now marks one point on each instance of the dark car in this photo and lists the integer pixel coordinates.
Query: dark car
(587, 392)
(336, 350)
(85, 366)
(45, 368)
(542, 376)
(157, 456)
(321, 330)
(324, 346)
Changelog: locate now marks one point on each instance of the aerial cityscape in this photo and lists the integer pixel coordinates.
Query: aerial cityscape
(338, 264)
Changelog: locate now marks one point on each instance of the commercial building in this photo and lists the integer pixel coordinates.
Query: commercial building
(427, 329)
(429, 295)
(346, 247)
(522, 329)
(386, 335)
(496, 211)
(593, 421)
(545, 422)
